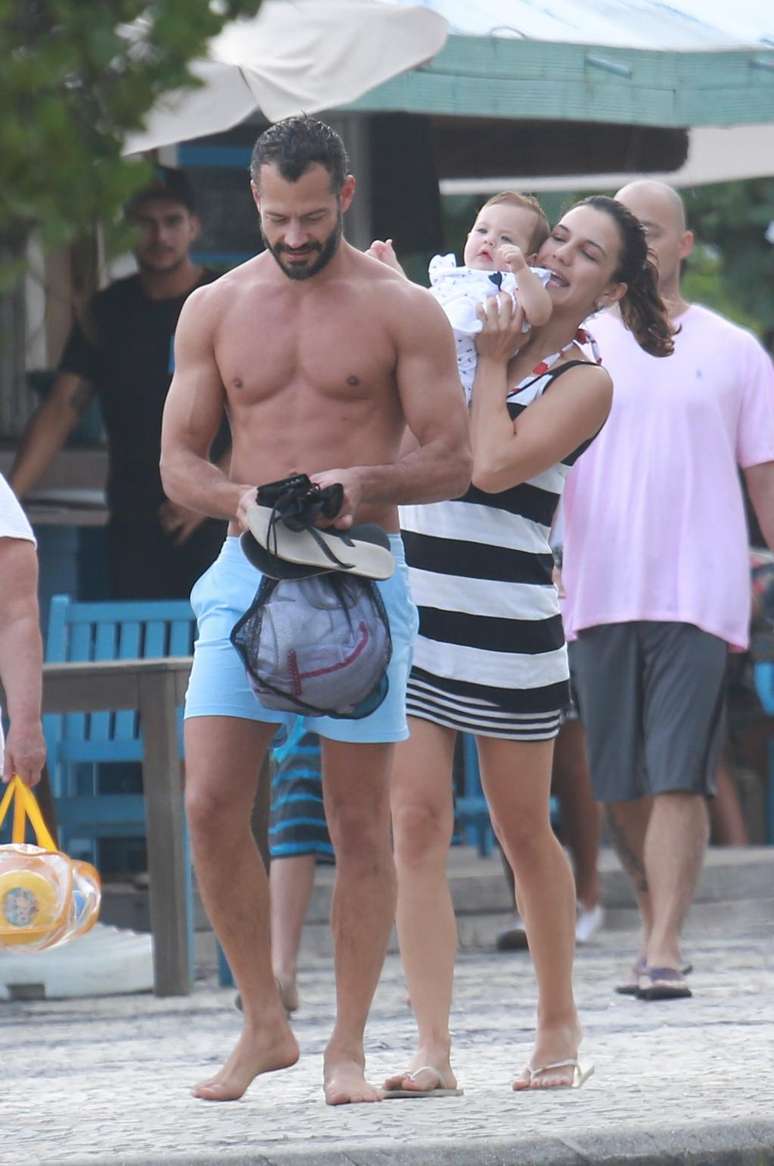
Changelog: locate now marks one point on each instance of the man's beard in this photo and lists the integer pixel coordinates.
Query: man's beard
(324, 252)
(150, 266)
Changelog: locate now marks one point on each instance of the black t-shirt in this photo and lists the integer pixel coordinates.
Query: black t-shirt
(124, 348)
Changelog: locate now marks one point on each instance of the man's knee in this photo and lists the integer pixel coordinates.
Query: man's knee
(210, 808)
(681, 809)
(358, 831)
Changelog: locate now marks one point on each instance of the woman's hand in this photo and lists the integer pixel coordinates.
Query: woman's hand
(501, 333)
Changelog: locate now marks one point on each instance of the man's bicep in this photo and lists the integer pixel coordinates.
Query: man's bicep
(18, 579)
(428, 381)
(755, 428)
(81, 356)
(193, 411)
(194, 407)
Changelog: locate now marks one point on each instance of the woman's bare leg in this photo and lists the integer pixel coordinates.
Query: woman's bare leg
(517, 781)
(422, 823)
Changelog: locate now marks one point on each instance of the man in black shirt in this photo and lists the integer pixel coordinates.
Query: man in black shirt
(122, 350)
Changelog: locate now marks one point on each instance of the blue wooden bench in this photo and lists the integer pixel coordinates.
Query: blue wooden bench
(78, 742)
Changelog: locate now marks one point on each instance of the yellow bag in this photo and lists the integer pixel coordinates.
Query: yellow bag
(46, 897)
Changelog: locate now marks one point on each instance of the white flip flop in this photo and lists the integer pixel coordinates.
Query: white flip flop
(354, 551)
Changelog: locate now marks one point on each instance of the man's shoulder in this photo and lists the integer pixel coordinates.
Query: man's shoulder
(701, 319)
(216, 281)
(211, 300)
(254, 271)
(411, 308)
(111, 306)
(392, 287)
(697, 325)
(124, 288)
(119, 291)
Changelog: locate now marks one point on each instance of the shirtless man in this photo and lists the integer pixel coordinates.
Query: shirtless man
(324, 358)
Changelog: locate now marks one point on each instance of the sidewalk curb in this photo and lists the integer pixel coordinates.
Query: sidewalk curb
(736, 1144)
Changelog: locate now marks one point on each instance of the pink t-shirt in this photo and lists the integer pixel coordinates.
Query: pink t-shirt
(653, 511)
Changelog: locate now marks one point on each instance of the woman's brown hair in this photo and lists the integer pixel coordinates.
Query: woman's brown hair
(642, 309)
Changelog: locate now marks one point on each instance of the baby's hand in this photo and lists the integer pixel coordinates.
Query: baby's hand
(510, 256)
(384, 251)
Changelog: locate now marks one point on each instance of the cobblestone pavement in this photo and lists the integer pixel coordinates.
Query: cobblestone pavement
(107, 1081)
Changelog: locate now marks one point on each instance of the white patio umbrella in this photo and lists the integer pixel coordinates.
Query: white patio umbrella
(294, 56)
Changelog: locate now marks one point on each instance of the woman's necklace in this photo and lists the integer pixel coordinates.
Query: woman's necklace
(580, 337)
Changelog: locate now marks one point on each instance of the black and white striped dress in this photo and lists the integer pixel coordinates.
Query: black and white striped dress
(490, 657)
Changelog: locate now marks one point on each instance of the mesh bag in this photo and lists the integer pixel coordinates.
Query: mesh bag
(318, 646)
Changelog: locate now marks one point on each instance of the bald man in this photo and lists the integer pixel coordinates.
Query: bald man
(656, 572)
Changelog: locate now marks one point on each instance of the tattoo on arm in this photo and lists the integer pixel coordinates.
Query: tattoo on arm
(629, 860)
(81, 396)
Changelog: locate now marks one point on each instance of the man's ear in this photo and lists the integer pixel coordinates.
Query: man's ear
(255, 193)
(196, 227)
(686, 244)
(347, 192)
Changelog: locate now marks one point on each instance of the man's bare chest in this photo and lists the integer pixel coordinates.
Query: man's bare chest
(337, 347)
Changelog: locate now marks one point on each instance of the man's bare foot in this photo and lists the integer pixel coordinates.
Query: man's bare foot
(256, 1052)
(553, 1046)
(428, 1071)
(344, 1081)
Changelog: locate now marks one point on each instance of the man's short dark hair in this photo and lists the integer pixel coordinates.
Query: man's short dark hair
(169, 183)
(295, 144)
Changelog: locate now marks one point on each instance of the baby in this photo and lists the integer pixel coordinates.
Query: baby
(508, 231)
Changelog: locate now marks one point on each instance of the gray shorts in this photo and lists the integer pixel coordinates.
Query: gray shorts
(651, 696)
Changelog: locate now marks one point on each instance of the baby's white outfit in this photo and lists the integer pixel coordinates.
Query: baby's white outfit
(459, 291)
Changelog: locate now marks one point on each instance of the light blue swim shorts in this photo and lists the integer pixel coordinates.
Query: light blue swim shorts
(219, 687)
